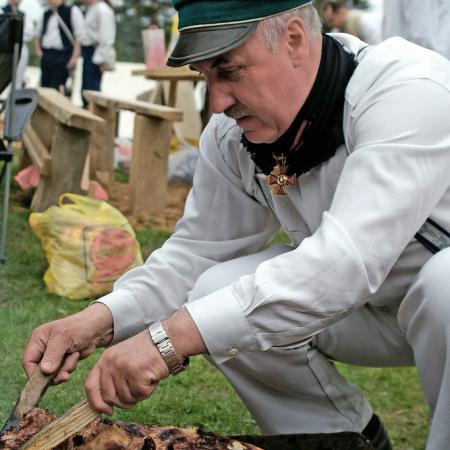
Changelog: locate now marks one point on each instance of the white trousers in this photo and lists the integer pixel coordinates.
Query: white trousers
(298, 389)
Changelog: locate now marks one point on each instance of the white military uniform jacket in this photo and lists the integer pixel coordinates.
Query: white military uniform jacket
(354, 217)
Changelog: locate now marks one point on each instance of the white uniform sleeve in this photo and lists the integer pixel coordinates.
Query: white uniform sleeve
(77, 20)
(39, 25)
(220, 222)
(106, 35)
(28, 29)
(390, 184)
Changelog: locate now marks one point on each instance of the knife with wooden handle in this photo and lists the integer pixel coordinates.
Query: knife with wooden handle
(30, 397)
(63, 428)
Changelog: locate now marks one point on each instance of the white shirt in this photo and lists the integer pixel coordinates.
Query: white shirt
(354, 216)
(52, 38)
(424, 22)
(99, 30)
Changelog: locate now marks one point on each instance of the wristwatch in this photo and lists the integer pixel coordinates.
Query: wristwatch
(175, 363)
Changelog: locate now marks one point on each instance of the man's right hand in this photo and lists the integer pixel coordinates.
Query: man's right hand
(62, 343)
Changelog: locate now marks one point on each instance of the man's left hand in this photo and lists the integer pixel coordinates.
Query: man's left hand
(126, 374)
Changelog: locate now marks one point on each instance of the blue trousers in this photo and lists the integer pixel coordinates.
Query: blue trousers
(54, 67)
(92, 75)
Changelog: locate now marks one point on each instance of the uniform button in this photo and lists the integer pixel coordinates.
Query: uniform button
(233, 351)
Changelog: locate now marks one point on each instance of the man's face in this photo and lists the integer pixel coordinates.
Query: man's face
(258, 88)
(335, 19)
(55, 3)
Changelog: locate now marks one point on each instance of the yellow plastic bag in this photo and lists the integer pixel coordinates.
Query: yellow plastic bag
(88, 245)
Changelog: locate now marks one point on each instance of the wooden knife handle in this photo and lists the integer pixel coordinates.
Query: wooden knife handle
(33, 391)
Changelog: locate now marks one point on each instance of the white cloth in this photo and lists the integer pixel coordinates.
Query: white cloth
(99, 30)
(424, 22)
(52, 37)
(354, 216)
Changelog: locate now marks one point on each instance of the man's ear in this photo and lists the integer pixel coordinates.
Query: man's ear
(297, 39)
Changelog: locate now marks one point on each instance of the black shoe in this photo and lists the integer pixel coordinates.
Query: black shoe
(376, 434)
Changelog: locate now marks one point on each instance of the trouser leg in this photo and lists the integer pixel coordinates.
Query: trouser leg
(54, 68)
(287, 390)
(92, 75)
(425, 317)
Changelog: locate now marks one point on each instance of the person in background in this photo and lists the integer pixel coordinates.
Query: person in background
(424, 22)
(362, 24)
(57, 42)
(97, 43)
(13, 7)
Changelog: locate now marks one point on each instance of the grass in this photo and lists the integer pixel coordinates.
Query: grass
(200, 396)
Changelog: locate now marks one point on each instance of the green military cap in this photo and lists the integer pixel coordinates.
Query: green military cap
(210, 28)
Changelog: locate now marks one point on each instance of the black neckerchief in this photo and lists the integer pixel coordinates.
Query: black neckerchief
(323, 109)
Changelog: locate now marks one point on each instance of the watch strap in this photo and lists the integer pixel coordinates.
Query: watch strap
(175, 363)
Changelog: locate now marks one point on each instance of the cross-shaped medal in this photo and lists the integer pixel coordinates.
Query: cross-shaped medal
(278, 181)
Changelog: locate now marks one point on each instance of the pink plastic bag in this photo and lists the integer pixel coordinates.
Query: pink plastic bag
(99, 193)
(154, 43)
(27, 178)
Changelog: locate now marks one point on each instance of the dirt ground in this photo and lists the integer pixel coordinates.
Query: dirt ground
(176, 197)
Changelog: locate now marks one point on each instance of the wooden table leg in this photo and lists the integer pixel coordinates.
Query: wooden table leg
(149, 161)
(69, 150)
(172, 93)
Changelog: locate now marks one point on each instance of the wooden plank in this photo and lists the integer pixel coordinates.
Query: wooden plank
(64, 111)
(45, 125)
(84, 185)
(148, 172)
(169, 73)
(69, 151)
(102, 143)
(36, 150)
(139, 107)
(63, 428)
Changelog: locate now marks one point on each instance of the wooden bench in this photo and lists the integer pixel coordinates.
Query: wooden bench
(57, 142)
(153, 125)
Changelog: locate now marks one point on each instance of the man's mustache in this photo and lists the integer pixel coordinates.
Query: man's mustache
(237, 112)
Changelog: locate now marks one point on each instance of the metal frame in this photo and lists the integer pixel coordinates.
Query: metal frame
(7, 155)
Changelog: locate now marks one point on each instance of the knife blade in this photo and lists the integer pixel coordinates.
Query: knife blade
(30, 397)
(63, 428)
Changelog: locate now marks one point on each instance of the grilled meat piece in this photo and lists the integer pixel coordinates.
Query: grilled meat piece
(103, 434)
(31, 423)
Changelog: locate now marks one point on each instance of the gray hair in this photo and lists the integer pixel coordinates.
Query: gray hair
(272, 27)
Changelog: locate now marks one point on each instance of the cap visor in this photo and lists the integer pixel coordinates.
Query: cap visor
(197, 44)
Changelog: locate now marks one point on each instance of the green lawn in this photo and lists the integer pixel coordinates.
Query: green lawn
(199, 396)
